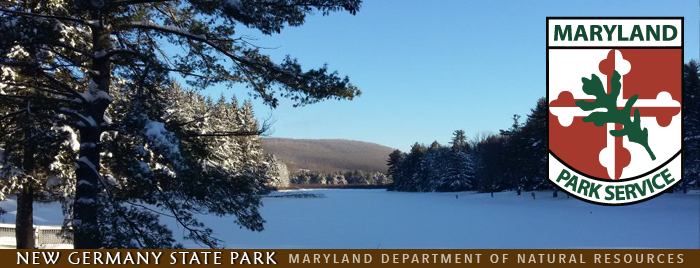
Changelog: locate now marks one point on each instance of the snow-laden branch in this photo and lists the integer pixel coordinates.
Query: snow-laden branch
(20, 86)
(87, 121)
(266, 126)
(48, 76)
(94, 94)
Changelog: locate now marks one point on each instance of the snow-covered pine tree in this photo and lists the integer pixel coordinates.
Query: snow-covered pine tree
(30, 149)
(411, 168)
(93, 51)
(254, 164)
(460, 170)
(31, 160)
(432, 167)
(691, 124)
(277, 172)
(228, 166)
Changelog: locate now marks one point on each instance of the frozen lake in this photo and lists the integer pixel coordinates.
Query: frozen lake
(379, 219)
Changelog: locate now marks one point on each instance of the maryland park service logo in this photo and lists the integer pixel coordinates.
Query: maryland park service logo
(614, 87)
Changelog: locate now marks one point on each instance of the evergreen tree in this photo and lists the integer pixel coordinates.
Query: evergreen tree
(29, 149)
(436, 168)
(691, 124)
(277, 172)
(460, 174)
(490, 171)
(516, 158)
(533, 137)
(99, 68)
(412, 168)
(511, 157)
(432, 167)
(394, 162)
(459, 141)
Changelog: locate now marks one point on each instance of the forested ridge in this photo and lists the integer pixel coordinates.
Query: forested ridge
(328, 155)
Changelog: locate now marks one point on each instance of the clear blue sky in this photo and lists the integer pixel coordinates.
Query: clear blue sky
(427, 68)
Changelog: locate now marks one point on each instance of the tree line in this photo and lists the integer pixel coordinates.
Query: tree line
(691, 125)
(516, 158)
(357, 177)
(513, 159)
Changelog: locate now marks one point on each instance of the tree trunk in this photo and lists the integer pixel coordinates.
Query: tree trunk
(85, 208)
(87, 233)
(24, 229)
(24, 220)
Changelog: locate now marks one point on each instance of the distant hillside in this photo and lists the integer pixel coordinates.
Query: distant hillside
(328, 154)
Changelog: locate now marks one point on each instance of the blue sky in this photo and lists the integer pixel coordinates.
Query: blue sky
(427, 68)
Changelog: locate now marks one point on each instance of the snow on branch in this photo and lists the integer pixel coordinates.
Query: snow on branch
(85, 121)
(51, 79)
(264, 130)
(165, 141)
(89, 164)
(72, 140)
(94, 94)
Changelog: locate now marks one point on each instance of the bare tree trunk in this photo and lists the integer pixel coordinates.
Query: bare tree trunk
(87, 234)
(24, 229)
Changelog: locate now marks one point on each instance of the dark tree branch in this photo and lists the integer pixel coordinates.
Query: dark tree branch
(135, 2)
(19, 86)
(236, 59)
(11, 114)
(84, 22)
(34, 98)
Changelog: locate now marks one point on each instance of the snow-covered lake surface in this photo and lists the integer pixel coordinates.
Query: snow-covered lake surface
(379, 219)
